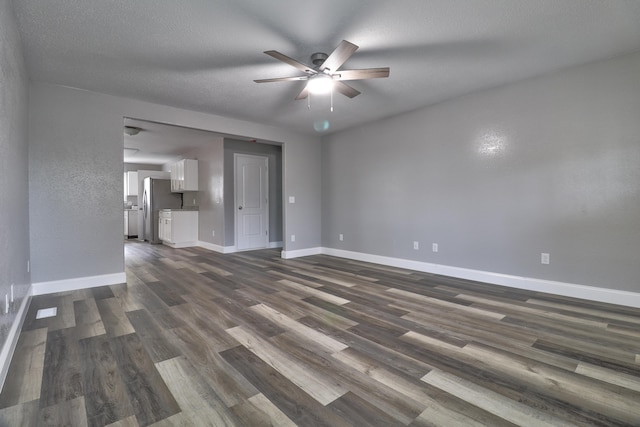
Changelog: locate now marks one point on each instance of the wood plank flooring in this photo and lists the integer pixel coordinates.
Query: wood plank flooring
(197, 338)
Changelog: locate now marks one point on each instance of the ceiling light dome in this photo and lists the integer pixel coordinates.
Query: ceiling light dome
(132, 130)
(320, 84)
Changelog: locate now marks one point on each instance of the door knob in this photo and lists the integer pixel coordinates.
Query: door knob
(239, 207)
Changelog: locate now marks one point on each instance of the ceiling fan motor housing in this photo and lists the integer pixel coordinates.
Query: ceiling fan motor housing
(318, 58)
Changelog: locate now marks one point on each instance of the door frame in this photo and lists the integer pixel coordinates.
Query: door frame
(236, 156)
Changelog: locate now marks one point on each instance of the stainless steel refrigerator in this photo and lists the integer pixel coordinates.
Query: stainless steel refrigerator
(157, 195)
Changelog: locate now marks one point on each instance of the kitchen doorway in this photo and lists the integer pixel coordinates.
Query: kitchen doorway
(154, 146)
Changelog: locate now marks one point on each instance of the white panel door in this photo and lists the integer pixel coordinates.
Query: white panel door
(252, 201)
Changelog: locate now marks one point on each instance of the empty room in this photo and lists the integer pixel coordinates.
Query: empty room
(337, 213)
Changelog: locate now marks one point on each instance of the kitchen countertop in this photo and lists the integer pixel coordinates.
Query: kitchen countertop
(186, 208)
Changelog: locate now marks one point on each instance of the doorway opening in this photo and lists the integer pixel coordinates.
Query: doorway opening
(156, 147)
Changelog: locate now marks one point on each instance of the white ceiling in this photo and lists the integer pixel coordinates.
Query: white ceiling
(204, 54)
(159, 144)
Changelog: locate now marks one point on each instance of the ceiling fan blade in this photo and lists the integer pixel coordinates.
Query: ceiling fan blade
(345, 89)
(339, 56)
(368, 73)
(282, 79)
(303, 93)
(284, 58)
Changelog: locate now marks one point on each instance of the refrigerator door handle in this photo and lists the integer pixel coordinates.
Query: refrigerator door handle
(144, 203)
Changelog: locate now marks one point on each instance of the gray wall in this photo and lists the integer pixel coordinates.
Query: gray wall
(274, 154)
(210, 191)
(300, 176)
(75, 168)
(14, 201)
(136, 166)
(550, 164)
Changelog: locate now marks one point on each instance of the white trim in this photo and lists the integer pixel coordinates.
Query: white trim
(217, 248)
(180, 245)
(11, 342)
(592, 293)
(54, 286)
(232, 249)
(301, 252)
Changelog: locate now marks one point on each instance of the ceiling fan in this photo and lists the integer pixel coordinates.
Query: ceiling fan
(325, 74)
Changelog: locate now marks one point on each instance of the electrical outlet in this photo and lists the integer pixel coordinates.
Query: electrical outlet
(434, 247)
(293, 237)
(292, 199)
(341, 237)
(544, 258)
(416, 245)
(213, 233)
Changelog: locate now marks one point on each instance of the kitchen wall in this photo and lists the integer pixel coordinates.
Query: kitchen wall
(14, 201)
(75, 163)
(136, 166)
(496, 178)
(274, 154)
(210, 190)
(189, 198)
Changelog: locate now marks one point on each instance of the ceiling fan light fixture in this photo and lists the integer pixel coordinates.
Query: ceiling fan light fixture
(320, 84)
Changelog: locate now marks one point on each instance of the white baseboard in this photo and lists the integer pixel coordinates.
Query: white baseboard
(11, 342)
(181, 244)
(230, 249)
(300, 252)
(592, 293)
(54, 286)
(217, 248)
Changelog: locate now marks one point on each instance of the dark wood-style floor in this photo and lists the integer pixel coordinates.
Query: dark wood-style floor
(198, 338)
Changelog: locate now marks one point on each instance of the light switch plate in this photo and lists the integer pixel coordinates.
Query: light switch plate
(292, 199)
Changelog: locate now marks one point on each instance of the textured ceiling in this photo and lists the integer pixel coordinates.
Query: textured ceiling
(204, 55)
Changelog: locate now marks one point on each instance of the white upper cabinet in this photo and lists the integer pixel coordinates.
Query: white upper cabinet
(131, 183)
(184, 176)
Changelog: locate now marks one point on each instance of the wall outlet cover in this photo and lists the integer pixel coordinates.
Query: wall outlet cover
(46, 312)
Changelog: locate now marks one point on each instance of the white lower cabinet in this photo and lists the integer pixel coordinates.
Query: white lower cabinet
(130, 223)
(178, 229)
